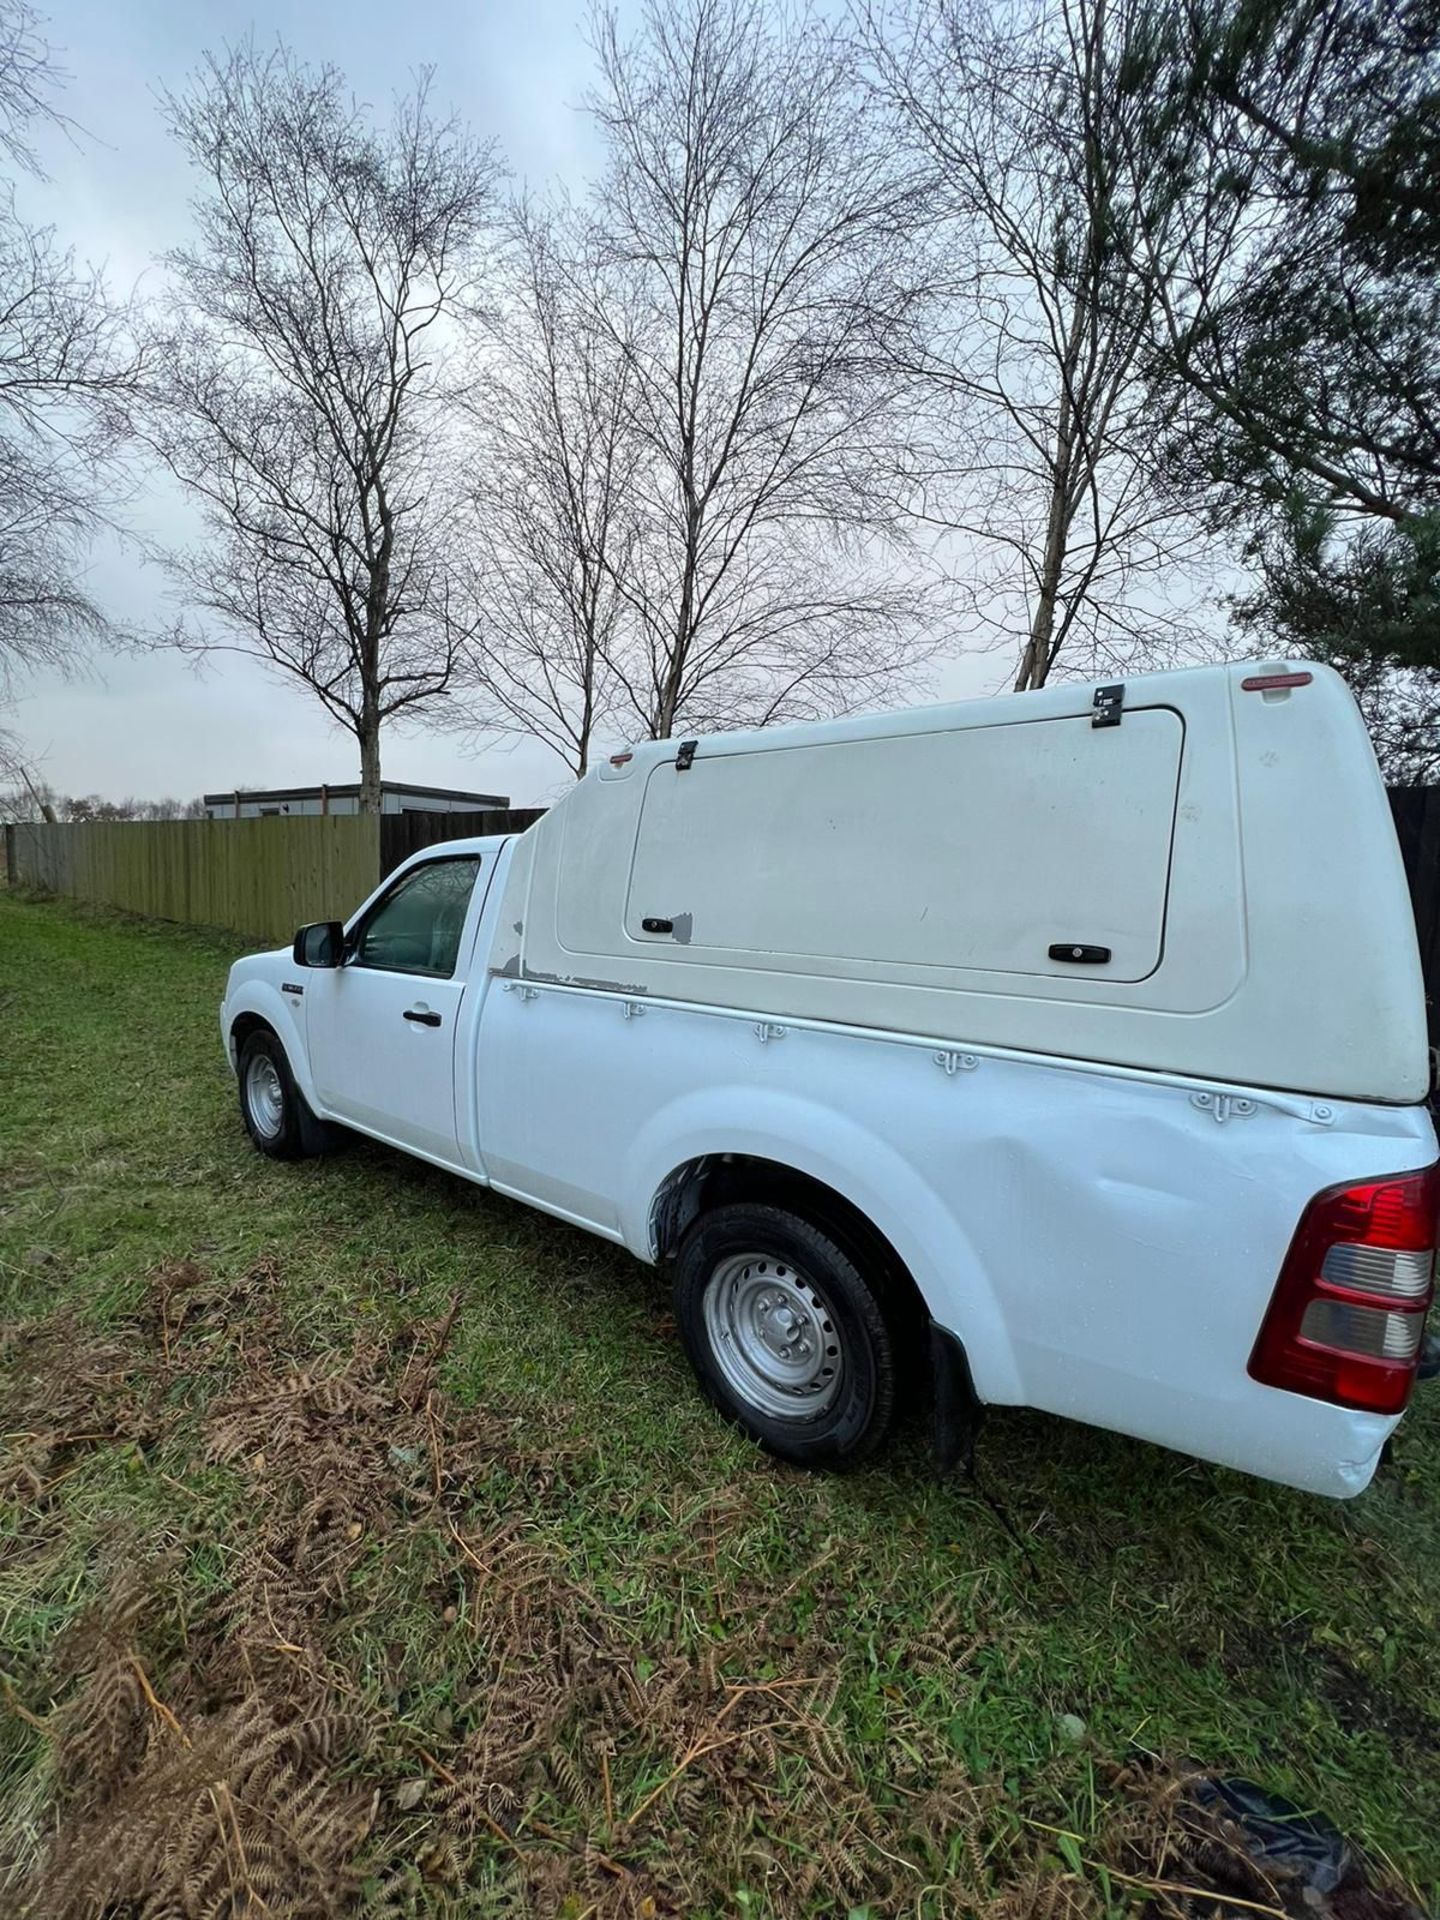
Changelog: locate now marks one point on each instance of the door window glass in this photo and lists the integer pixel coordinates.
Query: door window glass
(416, 928)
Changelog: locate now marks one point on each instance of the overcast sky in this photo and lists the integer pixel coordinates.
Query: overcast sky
(517, 70)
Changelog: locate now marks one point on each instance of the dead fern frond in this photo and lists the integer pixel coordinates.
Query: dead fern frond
(245, 1812)
(105, 1726)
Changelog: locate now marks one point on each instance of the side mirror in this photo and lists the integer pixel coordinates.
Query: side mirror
(321, 945)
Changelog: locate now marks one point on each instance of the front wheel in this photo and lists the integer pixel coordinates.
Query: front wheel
(786, 1337)
(274, 1110)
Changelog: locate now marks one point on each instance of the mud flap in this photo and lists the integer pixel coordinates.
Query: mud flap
(958, 1409)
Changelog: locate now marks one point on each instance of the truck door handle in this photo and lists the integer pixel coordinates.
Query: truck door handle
(1079, 955)
(421, 1019)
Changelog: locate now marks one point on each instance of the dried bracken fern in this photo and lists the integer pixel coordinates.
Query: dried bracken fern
(69, 1390)
(238, 1811)
(245, 1776)
(232, 1763)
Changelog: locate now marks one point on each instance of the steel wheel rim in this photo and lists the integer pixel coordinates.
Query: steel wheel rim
(773, 1336)
(264, 1095)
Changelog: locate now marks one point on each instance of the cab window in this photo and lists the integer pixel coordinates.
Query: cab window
(416, 928)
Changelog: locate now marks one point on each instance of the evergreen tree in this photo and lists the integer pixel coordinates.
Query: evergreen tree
(1301, 339)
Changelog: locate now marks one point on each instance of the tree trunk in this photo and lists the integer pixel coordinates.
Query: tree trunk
(369, 736)
(1035, 660)
(47, 812)
(675, 666)
(680, 649)
(377, 608)
(587, 707)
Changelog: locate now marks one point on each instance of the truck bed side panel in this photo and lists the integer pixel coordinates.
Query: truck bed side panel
(1104, 1244)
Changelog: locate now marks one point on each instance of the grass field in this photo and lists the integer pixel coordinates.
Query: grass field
(366, 1547)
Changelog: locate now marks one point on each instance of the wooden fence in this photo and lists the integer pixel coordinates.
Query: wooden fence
(402, 834)
(262, 878)
(259, 877)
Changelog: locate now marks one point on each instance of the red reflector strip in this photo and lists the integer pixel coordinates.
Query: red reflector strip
(621, 759)
(1263, 682)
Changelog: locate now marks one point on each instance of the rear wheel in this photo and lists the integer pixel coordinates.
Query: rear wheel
(275, 1112)
(786, 1337)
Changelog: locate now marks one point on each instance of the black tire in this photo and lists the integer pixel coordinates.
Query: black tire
(770, 1277)
(277, 1117)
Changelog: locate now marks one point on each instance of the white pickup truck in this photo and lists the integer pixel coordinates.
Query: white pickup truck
(1068, 1045)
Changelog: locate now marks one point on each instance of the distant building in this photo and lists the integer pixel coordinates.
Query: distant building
(395, 797)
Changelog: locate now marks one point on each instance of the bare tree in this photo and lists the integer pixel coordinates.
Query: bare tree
(81, 807)
(22, 795)
(754, 230)
(297, 392)
(66, 365)
(29, 76)
(1022, 116)
(553, 493)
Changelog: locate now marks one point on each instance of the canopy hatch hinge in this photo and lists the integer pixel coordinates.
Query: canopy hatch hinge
(685, 758)
(1109, 706)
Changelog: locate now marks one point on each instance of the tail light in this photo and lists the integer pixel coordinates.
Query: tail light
(1348, 1313)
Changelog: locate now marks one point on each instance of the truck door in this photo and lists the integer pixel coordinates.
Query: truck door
(381, 1028)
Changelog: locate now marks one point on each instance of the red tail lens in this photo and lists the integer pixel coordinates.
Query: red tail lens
(1348, 1313)
(1399, 1212)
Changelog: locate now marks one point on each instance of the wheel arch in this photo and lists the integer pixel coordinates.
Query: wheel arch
(241, 1028)
(259, 1006)
(796, 1152)
(702, 1184)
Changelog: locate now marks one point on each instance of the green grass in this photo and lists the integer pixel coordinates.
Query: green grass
(1170, 1605)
